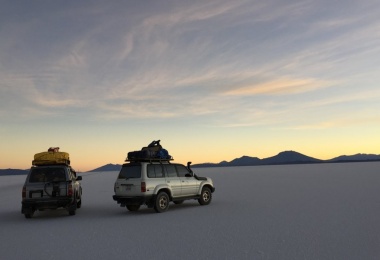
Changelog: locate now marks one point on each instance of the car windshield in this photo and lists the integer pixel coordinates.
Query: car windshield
(53, 174)
(130, 171)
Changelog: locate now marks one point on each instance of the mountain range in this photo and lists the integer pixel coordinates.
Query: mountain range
(13, 172)
(290, 157)
(286, 157)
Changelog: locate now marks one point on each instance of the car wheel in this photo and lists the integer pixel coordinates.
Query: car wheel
(29, 215)
(178, 202)
(79, 204)
(162, 202)
(206, 196)
(73, 207)
(133, 207)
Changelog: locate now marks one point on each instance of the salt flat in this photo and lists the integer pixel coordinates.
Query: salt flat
(317, 211)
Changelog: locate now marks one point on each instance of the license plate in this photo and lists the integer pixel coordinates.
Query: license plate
(36, 195)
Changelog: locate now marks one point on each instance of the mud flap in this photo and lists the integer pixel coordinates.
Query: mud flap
(25, 210)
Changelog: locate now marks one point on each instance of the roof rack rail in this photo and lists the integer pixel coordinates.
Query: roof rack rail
(51, 164)
(148, 160)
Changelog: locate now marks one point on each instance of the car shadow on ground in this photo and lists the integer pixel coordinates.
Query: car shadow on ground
(96, 211)
(172, 207)
(15, 216)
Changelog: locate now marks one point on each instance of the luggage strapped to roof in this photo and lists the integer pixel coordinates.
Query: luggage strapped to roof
(153, 152)
(52, 156)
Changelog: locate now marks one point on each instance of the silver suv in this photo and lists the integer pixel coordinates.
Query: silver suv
(155, 183)
(51, 187)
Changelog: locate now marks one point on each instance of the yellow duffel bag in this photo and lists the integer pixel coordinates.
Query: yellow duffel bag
(45, 158)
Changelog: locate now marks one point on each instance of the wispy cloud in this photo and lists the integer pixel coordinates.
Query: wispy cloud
(355, 121)
(284, 86)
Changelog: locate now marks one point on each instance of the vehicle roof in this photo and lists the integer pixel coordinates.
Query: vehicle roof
(53, 165)
(147, 162)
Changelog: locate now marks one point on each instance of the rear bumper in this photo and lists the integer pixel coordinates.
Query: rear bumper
(37, 204)
(140, 200)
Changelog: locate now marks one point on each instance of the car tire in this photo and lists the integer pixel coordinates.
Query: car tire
(79, 204)
(133, 207)
(162, 202)
(73, 207)
(206, 196)
(29, 215)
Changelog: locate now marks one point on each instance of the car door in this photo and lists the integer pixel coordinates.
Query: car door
(189, 184)
(172, 179)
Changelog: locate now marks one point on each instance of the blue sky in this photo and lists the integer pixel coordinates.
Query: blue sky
(214, 80)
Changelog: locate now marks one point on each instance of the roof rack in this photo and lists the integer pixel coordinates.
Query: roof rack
(51, 164)
(148, 160)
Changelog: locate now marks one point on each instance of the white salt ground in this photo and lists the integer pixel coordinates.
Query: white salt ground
(319, 211)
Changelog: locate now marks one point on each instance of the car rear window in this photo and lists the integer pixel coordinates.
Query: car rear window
(130, 171)
(47, 175)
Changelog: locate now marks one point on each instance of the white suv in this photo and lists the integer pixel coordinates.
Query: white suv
(155, 183)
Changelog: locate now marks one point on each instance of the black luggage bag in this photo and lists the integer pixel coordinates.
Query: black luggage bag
(153, 151)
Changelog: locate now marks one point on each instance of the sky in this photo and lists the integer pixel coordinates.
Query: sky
(213, 80)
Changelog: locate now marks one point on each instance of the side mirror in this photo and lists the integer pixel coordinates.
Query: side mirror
(188, 175)
(79, 178)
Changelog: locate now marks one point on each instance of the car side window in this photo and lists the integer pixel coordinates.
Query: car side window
(155, 171)
(182, 170)
(73, 173)
(70, 175)
(170, 170)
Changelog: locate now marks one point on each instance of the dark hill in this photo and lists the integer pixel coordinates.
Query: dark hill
(289, 157)
(356, 157)
(107, 167)
(13, 172)
(244, 161)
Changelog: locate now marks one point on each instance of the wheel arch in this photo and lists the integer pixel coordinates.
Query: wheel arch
(164, 189)
(208, 185)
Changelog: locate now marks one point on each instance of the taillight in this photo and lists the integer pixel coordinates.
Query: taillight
(24, 192)
(70, 190)
(143, 187)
